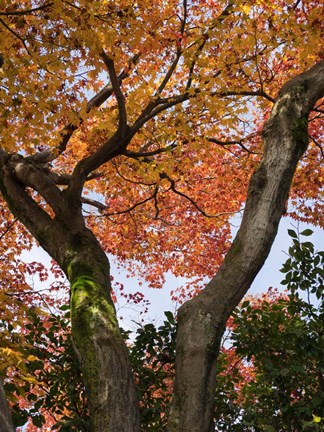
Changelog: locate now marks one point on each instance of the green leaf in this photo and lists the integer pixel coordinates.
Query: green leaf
(307, 232)
(245, 304)
(170, 317)
(292, 233)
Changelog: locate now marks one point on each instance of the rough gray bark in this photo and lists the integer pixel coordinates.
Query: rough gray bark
(202, 320)
(5, 417)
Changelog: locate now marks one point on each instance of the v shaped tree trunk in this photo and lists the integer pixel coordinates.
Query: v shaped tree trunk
(103, 354)
(202, 320)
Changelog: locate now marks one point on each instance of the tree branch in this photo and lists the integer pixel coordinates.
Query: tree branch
(115, 82)
(95, 102)
(204, 38)
(26, 11)
(137, 155)
(8, 228)
(285, 139)
(317, 145)
(239, 142)
(16, 35)
(32, 177)
(134, 206)
(259, 93)
(193, 202)
(100, 206)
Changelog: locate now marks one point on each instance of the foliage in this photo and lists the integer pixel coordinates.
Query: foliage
(204, 76)
(279, 339)
(54, 394)
(153, 358)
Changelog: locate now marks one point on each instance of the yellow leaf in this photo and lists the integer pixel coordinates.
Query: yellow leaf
(246, 9)
(31, 358)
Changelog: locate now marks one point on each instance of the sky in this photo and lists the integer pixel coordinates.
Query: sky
(160, 301)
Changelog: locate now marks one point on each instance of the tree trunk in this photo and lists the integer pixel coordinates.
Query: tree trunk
(97, 338)
(5, 417)
(102, 351)
(202, 320)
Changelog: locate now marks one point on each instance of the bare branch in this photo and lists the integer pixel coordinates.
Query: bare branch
(176, 191)
(153, 196)
(122, 127)
(137, 155)
(26, 11)
(8, 228)
(100, 206)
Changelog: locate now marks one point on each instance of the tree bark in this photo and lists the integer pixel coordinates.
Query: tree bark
(97, 338)
(202, 320)
(102, 351)
(5, 417)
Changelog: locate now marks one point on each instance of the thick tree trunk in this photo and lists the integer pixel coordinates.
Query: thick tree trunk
(5, 417)
(98, 341)
(102, 351)
(201, 321)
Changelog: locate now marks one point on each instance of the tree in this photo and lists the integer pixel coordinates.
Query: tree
(269, 372)
(181, 82)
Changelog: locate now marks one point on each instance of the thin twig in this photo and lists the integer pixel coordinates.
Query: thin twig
(26, 11)
(8, 229)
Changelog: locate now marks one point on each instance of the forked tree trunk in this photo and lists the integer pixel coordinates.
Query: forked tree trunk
(103, 355)
(201, 321)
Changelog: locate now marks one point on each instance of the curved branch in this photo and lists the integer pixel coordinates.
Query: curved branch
(136, 155)
(122, 126)
(193, 202)
(32, 177)
(139, 203)
(233, 142)
(66, 133)
(100, 206)
(26, 11)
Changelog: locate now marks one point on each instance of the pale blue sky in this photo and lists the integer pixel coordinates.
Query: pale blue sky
(160, 298)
